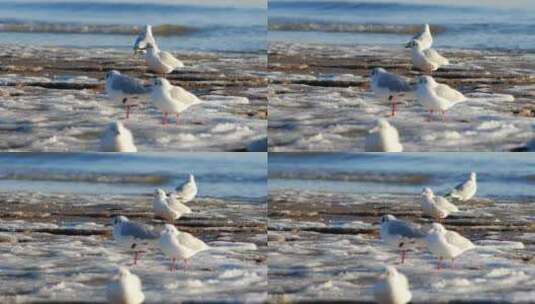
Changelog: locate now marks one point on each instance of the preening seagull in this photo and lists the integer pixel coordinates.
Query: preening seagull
(392, 288)
(383, 138)
(117, 138)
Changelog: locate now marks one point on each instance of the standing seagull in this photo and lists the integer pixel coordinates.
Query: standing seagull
(388, 85)
(436, 96)
(124, 288)
(132, 235)
(424, 38)
(383, 138)
(171, 99)
(437, 207)
(121, 87)
(400, 234)
(163, 209)
(145, 37)
(161, 62)
(117, 138)
(446, 244)
(426, 60)
(392, 288)
(180, 245)
(466, 190)
(187, 191)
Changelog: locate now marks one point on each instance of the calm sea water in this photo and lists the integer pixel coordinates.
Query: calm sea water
(350, 22)
(222, 175)
(499, 175)
(232, 27)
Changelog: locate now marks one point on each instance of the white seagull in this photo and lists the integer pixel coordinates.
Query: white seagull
(392, 288)
(426, 60)
(435, 96)
(180, 245)
(388, 85)
(400, 234)
(133, 236)
(171, 99)
(161, 62)
(117, 138)
(124, 88)
(437, 207)
(145, 37)
(466, 190)
(187, 191)
(424, 38)
(383, 138)
(124, 288)
(446, 244)
(162, 208)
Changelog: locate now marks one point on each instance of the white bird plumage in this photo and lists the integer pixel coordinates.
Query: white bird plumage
(161, 62)
(171, 99)
(383, 138)
(446, 244)
(466, 190)
(117, 138)
(162, 208)
(389, 85)
(392, 288)
(399, 234)
(427, 60)
(187, 191)
(135, 237)
(436, 206)
(180, 245)
(425, 39)
(435, 96)
(125, 89)
(124, 288)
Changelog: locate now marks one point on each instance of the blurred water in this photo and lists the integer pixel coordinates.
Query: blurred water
(349, 22)
(222, 175)
(505, 175)
(230, 28)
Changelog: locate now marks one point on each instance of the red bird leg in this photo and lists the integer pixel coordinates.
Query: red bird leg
(164, 121)
(403, 254)
(177, 115)
(393, 100)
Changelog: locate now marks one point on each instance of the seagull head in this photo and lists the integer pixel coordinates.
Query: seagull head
(159, 193)
(390, 271)
(116, 128)
(473, 176)
(160, 82)
(387, 218)
(123, 272)
(427, 192)
(413, 44)
(119, 219)
(112, 73)
(170, 229)
(436, 227)
(425, 80)
(376, 71)
(191, 178)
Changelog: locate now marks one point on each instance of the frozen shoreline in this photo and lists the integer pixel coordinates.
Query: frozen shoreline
(53, 100)
(63, 251)
(325, 246)
(320, 100)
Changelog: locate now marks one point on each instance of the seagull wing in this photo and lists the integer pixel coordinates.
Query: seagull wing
(191, 242)
(434, 56)
(404, 229)
(138, 231)
(458, 240)
(170, 60)
(184, 96)
(129, 85)
(393, 82)
(448, 93)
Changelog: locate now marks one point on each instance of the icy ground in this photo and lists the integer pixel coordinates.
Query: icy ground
(52, 99)
(330, 249)
(58, 248)
(319, 100)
